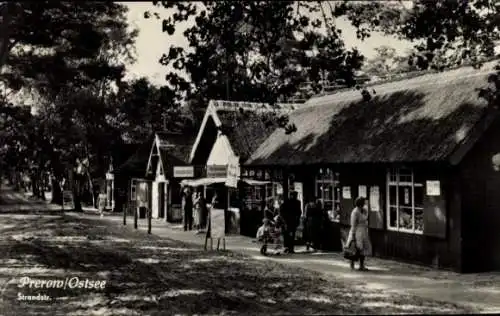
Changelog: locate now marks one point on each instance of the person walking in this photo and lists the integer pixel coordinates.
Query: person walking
(358, 234)
(291, 213)
(187, 207)
(309, 211)
(199, 210)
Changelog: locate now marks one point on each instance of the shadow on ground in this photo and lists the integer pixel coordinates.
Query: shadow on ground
(148, 275)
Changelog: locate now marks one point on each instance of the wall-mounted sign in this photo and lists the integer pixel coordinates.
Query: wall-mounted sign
(374, 199)
(183, 171)
(216, 171)
(362, 191)
(346, 193)
(433, 188)
(233, 172)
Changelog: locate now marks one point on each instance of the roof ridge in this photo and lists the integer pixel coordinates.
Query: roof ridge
(252, 106)
(413, 82)
(408, 76)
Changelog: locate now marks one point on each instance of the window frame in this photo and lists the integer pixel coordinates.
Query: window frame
(333, 179)
(393, 180)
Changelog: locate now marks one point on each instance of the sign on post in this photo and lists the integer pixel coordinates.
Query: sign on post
(217, 228)
(218, 223)
(68, 202)
(183, 172)
(233, 172)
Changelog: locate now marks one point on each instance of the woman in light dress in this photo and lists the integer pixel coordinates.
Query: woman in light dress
(359, 232)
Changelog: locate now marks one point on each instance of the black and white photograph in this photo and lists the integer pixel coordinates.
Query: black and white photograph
(249, 157)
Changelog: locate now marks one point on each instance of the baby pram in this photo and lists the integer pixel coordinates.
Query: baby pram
(270, 236)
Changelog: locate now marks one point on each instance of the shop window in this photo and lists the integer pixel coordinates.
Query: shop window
(328, 190)
(274, 193)
(253, 197)
(133, 190)
(405, 202)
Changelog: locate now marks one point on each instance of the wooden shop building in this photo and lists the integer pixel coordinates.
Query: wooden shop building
(229, 133)
(425, 151)
(167, 165)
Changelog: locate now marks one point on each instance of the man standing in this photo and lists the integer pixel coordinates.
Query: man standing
(291, 212)
(187, 207)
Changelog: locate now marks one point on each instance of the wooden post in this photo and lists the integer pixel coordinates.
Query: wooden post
(218, 243)
(135, 216)
(125, 215)
(224, 244)
(149, 220)
(207, 235)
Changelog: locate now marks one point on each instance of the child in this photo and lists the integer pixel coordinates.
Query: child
(266, 226)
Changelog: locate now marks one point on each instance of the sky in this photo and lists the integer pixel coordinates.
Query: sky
(152, 42)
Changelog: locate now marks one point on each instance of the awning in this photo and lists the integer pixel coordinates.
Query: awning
(255, 182)
(202, 181)
(209, 181)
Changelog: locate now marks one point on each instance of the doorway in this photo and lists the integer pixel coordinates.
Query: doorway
(161, 200)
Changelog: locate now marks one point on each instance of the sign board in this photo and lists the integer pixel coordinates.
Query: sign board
(110, 176)
(217, 223)
(375, 199)
(183, 171)
(216, 171)
(142, 194)
(101, 201)
(233, 172)
(362, 191)
(68, 202)
(346, 193)
(433, 188)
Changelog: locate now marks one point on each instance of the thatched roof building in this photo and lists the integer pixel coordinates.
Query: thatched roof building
(419, 119)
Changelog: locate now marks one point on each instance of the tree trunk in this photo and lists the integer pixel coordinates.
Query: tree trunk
(17, 181)
(57, 197)
(41, 182)
(91, 189)
(77, 199)
(34, 185)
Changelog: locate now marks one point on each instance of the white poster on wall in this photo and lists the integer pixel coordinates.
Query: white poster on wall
(362, 191)
(433, 188)
(407, 196)
(374, 199)
(346, 193)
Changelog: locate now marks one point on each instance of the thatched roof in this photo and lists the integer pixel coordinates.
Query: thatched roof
(135, 165)
(121, 152)
(242, 123)
(245, 131)
(175, 148)
(419, 119)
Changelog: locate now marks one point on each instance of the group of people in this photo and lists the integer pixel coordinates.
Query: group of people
(286, 217)
(194, 209)
(315, 226)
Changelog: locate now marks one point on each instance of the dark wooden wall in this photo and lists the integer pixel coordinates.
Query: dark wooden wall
(480, 186)
(439, 246)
